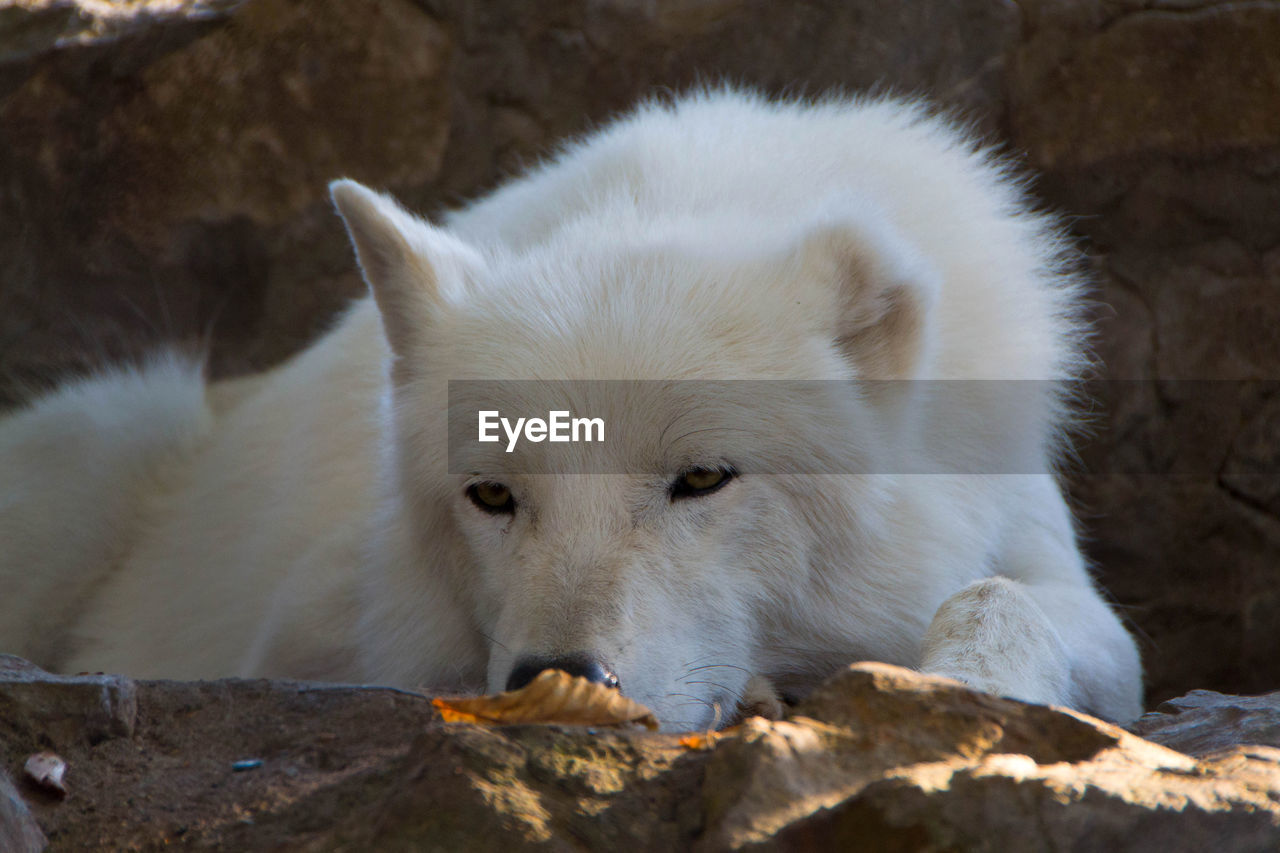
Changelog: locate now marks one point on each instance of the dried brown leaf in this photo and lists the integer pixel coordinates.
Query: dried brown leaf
(699, 740)
(708, 739)
(553, 697)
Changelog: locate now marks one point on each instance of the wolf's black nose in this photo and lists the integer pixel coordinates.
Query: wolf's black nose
(579, 663)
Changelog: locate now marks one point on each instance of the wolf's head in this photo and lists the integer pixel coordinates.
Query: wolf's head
(700, 543)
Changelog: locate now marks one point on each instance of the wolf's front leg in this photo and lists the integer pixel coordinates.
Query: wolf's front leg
(994, 637)
(1039, 631)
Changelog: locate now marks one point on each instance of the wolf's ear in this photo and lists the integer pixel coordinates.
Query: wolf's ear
(412, 267)
(885, 291)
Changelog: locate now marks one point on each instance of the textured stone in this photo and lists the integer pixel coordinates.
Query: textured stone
(878, 758)
(19, 832)
(1204, 722)
(168, 162)
(39, 710)
(1112, 80)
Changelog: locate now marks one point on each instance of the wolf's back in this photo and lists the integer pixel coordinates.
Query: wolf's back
(75, 469)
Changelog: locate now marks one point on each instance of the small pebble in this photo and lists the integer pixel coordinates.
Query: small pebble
(46, 769)
(247, 764)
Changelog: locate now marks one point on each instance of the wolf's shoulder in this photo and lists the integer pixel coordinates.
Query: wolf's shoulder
(728, 149)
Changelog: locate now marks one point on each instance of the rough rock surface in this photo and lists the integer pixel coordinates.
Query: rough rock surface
(19, 832)
(163, 165)
(879, 758)
(92, 707)
(1203, 722)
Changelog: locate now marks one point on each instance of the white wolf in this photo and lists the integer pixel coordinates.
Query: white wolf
(305, 522)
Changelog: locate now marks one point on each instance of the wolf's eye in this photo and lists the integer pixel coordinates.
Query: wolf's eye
(697, 482)
(493, 498)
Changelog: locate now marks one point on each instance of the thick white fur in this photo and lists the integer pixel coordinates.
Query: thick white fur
(302, 522)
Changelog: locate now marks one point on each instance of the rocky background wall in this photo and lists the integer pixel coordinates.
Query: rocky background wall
(163, 167)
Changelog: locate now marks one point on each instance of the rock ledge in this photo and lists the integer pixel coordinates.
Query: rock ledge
(878, 758)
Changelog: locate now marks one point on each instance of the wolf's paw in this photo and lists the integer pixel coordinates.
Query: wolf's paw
(993, 637)
(1042, 691)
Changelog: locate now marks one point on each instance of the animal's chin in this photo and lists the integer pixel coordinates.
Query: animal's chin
(682, 719)
(685, 724)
